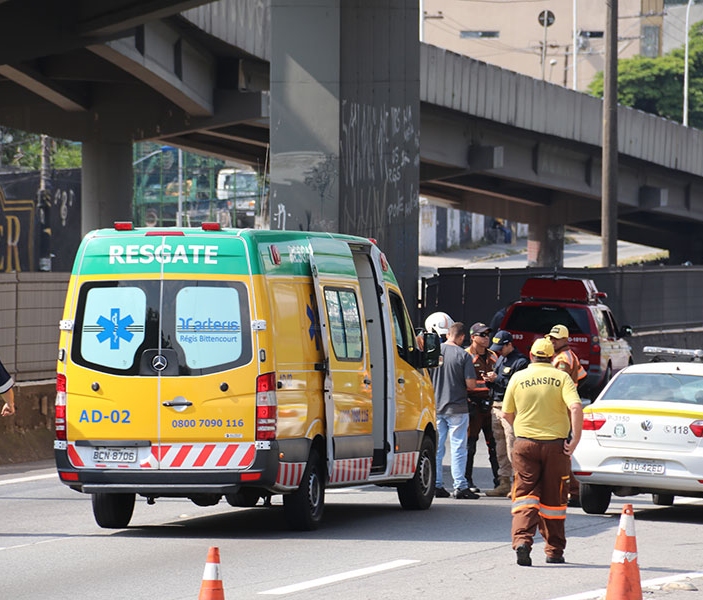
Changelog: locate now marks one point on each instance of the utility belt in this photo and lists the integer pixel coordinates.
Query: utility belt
(481, 404)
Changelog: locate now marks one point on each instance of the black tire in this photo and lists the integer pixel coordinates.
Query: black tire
(113, 511)
(663, 499)
(417, 493)
(595, 499)
(304, 507)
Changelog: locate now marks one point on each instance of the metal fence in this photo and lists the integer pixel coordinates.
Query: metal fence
(648, 298)
(31, 305)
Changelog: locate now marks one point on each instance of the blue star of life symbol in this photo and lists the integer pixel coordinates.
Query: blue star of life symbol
(115, 328)
(312, 330)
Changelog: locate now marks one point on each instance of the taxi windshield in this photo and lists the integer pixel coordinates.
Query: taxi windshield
(656, 387)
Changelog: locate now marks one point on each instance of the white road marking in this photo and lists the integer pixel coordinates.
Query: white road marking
(306, 585)
(645, 584)
(30, 478)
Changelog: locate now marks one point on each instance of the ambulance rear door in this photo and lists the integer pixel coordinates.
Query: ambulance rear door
(203, 358)
(347, 388)
(163, 376)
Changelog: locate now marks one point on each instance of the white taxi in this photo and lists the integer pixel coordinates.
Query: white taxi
(644, 433)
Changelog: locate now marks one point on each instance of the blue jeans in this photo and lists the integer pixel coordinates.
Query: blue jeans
(457, 426)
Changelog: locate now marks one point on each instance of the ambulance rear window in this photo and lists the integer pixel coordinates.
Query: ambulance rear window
(199, 327)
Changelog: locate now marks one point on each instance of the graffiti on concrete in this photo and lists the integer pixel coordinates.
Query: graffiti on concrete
(280, 216)
(380, 155)
(322, 177)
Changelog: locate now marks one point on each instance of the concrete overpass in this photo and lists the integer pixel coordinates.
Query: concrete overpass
(197, 74)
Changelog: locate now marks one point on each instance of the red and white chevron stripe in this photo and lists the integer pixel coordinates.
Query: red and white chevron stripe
(200, 456)
(405, 463)
(290, 474)
(351, 469)
(174, 456)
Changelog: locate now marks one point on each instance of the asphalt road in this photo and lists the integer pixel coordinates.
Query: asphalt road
(367, 548)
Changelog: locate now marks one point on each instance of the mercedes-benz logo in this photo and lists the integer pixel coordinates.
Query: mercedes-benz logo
(159, 362)
(647, 425)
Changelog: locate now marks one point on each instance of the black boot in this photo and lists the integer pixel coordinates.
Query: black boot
(493, 459)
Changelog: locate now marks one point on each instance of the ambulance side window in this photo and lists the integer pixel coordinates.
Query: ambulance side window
(344, 319)
(402, 328)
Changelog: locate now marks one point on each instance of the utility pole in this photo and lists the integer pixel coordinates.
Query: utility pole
(575, 79)
(685, 67)
(609, 187)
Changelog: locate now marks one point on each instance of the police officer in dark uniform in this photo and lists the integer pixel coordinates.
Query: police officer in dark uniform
(510, 360)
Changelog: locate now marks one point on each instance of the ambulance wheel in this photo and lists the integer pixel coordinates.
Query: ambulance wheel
(113, 511)
(418, 492)
(304, 507)
(595, 499)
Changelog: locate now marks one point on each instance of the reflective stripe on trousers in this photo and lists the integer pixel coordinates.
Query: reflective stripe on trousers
(540, 493)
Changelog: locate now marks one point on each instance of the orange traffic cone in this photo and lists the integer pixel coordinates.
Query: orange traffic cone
(211, 588)
(624, 580)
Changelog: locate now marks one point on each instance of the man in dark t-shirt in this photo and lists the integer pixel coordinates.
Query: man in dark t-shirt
(452, 380)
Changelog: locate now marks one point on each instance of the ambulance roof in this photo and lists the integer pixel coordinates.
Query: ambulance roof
(206, 250)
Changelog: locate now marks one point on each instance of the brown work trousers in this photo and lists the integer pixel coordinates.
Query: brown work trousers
(540, 493)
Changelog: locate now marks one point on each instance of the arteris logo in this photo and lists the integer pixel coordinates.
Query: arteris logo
(193, 325)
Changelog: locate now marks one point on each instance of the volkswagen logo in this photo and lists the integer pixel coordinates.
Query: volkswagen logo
(646, 425)
(159, 362)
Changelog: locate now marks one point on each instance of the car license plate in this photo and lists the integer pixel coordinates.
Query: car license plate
(651, 467)
(117, 455)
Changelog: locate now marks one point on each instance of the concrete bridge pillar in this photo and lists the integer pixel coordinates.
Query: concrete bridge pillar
(107, 184)
(345, 123)
(545, 245)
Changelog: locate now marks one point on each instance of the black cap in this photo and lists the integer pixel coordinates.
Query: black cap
(477, 328)
(500, 339)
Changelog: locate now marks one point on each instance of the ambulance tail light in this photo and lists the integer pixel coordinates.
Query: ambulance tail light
(266, 406)
(593, 421)
(697, 428)
(60, 411)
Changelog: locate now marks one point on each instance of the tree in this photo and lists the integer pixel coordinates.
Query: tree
(21, 149)
(655, 85)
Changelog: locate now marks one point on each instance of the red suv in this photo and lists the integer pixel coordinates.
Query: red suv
(576, 303)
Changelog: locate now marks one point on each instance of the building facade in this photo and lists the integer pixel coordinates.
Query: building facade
(515, 35)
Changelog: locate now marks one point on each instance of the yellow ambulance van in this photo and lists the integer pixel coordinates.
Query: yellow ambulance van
(200, 363)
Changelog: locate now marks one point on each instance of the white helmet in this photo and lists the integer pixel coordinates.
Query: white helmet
(439, 322)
